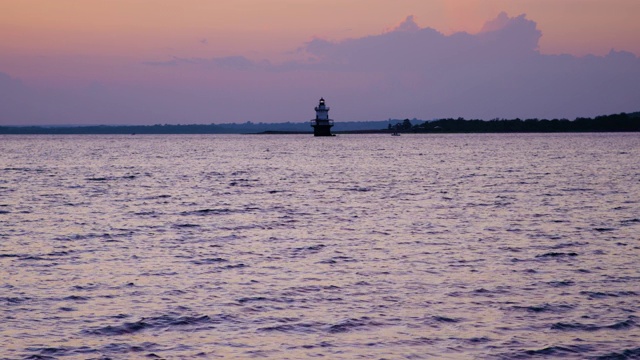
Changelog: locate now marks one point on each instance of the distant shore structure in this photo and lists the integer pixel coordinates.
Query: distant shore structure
(322, 124)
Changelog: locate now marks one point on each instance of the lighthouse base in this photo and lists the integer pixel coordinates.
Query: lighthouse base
(322, 131)
(322, 127)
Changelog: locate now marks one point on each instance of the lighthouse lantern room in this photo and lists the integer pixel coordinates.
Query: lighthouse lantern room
(322, 124)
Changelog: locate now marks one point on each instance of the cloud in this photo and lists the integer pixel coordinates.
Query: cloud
(499, 23)
(7, 81)
(15, 98)
(407, 25)
(228, 62)
(234, 62)
(409, 47)
(498, 72)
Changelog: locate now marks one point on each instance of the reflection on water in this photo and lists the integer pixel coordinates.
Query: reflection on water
(359, 246)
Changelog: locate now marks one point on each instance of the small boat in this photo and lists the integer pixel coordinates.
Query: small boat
(395, 129)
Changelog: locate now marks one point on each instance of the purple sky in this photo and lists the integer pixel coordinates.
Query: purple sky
(406, 72)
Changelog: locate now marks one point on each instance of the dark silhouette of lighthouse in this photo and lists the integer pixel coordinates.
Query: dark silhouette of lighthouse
(322, 124)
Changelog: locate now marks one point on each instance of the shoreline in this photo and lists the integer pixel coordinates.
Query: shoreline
(622, 122)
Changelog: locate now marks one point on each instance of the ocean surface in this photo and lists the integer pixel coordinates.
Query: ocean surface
(481, 246)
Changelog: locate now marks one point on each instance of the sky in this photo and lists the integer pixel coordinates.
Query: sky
(220, 61)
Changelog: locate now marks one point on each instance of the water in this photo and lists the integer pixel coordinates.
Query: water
(290, 247)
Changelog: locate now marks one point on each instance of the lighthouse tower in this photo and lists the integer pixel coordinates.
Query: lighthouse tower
(322, 124)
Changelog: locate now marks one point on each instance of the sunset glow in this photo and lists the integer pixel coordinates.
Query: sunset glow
(73, 44)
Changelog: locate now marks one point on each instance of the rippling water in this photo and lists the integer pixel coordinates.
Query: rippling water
(290, 247)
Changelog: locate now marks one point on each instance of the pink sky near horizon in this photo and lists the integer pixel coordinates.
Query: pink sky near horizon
(108, 44)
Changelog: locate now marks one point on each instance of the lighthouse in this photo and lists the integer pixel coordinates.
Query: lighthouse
(322, 124)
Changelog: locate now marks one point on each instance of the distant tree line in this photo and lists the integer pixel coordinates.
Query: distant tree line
(402, 126)
(608, 123)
